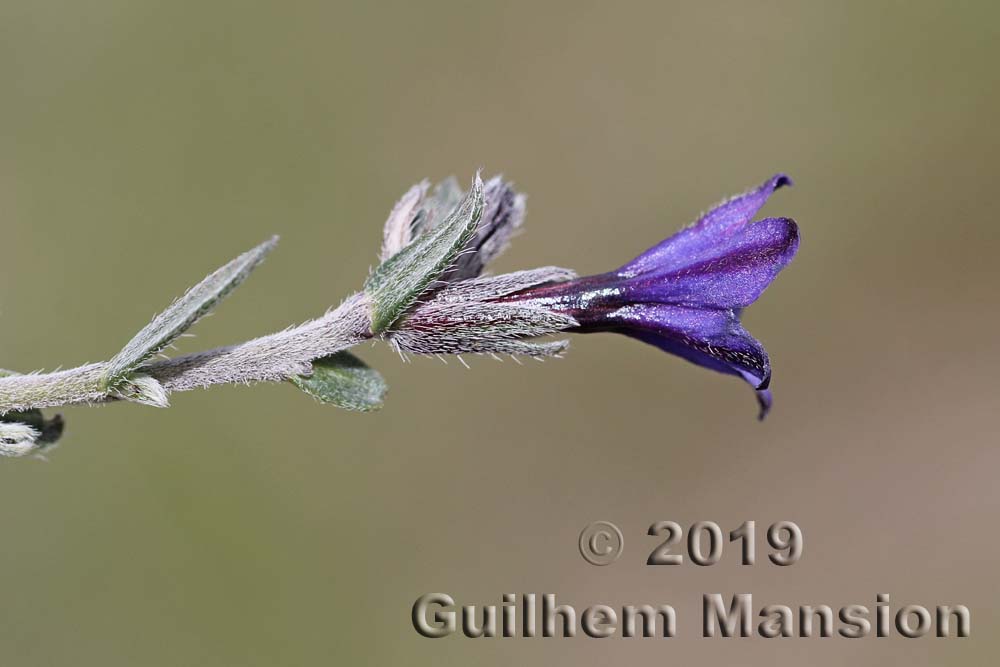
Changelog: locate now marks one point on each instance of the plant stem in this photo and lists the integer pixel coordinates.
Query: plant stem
(273, 358)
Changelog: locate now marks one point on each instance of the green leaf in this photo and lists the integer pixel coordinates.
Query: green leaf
(397, 283)
(345, 381)
(446, 196)
(183, 313)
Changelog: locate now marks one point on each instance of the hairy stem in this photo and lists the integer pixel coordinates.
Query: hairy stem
(273, 358)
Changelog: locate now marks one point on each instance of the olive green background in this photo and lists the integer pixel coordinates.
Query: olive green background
(143, 144)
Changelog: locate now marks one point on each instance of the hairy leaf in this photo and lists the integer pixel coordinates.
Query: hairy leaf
(345, 381)
(397, 283)
(503, 216)
(480, 327)
(490, 288)
(398, 230)
(141, 388)
(446, 196)
(183, 313)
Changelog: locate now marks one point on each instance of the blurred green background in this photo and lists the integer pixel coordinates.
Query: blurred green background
(142, 144)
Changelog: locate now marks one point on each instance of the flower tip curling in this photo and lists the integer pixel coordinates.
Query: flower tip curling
(781, 180)
(764, 400)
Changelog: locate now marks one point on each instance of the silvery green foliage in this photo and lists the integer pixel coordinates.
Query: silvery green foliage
(466, 317)
(481, 328)
(345, 381)
(274, 358)
(443, 200)
(425, 297)
(502, 219)
(399, 226)
(399, 280)
(494, 287)
(416, 213)
(457, 312)
(180, 316)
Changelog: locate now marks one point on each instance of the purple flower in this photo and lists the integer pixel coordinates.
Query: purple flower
(685, 295)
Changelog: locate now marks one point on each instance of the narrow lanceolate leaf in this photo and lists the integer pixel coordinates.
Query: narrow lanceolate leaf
(397, 283)
(398, 230)
(345, 381)
(180, 316)
(446, 196)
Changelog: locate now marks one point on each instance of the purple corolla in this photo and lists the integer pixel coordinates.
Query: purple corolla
(685, 294)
